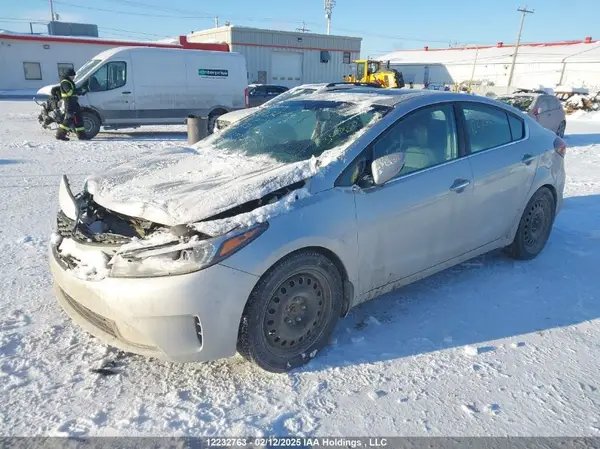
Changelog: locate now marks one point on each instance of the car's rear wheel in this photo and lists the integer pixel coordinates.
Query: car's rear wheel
(535, 226)
(292, 312)
(560, 132)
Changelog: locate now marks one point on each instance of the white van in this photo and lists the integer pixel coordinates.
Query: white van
(135, 86)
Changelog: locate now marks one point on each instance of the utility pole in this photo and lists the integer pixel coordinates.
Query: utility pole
(303, 29)
(524, 11)
(52, 15)
(329, 4)
(474, 65)
(216, 21)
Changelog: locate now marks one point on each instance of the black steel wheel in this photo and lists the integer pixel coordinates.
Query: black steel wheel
(291, 312)
(535, 226)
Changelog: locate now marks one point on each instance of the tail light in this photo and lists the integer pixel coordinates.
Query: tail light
(560, 146)
(246, 99)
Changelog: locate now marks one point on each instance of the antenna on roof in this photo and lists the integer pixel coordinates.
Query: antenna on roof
(329, 4)
(53, 16)
(303, 29)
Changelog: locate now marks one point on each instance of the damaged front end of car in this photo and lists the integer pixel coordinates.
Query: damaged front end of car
(52, 110)
(94, 242)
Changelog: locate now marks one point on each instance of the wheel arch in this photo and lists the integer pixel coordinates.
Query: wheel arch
(93, 111)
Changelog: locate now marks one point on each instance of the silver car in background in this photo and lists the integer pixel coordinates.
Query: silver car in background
(320, 203)
(546, 109)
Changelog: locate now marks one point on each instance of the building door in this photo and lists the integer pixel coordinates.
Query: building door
(286, 68)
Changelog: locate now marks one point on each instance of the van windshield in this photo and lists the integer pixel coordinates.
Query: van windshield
(86, 69)
(299, 130)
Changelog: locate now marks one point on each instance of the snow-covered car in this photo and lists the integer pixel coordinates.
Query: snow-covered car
(226, 120)
(258, 239)
(540, 106)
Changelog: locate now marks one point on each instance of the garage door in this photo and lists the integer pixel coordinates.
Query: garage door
(286, 68)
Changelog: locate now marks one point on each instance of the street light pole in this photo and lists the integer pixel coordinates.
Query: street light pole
(524, 12)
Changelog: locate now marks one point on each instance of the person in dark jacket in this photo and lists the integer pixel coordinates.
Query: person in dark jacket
(73, 119)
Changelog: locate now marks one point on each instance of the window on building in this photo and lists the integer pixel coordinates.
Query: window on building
(108, 77)
(33, 70)
(347, 57)
(63, 67)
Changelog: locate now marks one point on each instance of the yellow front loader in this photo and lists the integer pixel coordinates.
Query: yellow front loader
(370, 71)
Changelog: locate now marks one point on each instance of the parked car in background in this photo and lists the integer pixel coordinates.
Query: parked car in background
(128, 87)
(544, 108)
(227, 119)
(259, 238)
(261, 93)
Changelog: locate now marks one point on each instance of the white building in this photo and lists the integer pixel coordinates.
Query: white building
(32, 61)
(275, 57)
(573, 63)
(287, 58)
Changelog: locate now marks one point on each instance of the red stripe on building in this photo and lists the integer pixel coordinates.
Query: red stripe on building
(183, 42)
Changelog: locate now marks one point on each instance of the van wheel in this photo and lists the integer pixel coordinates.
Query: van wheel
(91, 123)
(292, 312)
(535, 226)
(212, 120)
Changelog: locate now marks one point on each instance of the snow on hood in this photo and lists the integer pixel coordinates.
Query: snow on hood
(185, 185)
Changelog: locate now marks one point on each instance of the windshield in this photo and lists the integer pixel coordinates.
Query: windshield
(298, 130)
(522, 102)
(86, 69)
(293, 93)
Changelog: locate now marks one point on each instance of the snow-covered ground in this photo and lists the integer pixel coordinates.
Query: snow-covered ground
(492, 347)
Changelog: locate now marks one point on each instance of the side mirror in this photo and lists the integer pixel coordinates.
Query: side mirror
(387, 167)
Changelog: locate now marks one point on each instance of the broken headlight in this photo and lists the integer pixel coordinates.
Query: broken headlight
(181, 258)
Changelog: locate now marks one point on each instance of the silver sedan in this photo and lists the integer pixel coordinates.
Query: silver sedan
(259, 239)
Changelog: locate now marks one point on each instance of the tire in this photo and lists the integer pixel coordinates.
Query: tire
(534, 227)
(560, 132)
(292, 312)
(92, 124)
(212, 120)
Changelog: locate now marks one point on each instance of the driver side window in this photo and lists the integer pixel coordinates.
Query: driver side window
(427, 137)
(108, 77)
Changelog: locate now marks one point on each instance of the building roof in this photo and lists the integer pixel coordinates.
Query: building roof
(180, 42)
(266, 30)
(587, 50)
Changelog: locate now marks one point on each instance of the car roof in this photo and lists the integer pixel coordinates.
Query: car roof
(380, 96)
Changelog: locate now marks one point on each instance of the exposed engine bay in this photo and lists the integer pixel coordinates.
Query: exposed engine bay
(98, 225)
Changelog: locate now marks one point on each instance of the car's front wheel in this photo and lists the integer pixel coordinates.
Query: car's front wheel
(534, 227)
(292, 312)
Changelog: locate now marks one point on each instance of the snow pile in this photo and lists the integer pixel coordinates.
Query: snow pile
(91, 265)
(583, 115)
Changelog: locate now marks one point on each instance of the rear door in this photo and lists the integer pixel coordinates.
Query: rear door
(503, 165)
(416, 220)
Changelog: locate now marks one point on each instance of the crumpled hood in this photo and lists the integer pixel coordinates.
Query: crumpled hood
(184, 185)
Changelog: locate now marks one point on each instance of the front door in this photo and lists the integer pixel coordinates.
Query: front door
(414, 221)
(111, 92)
(504, 166)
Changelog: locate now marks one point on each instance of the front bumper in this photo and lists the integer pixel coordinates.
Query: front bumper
(187, 318)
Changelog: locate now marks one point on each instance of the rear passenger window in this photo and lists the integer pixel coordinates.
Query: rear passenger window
(487, 127)
(517, 127)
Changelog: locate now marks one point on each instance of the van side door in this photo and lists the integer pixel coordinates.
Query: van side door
(111, 91)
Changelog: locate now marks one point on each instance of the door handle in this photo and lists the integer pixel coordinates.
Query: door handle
(126, 92)
(527, 159)
(459, 185)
